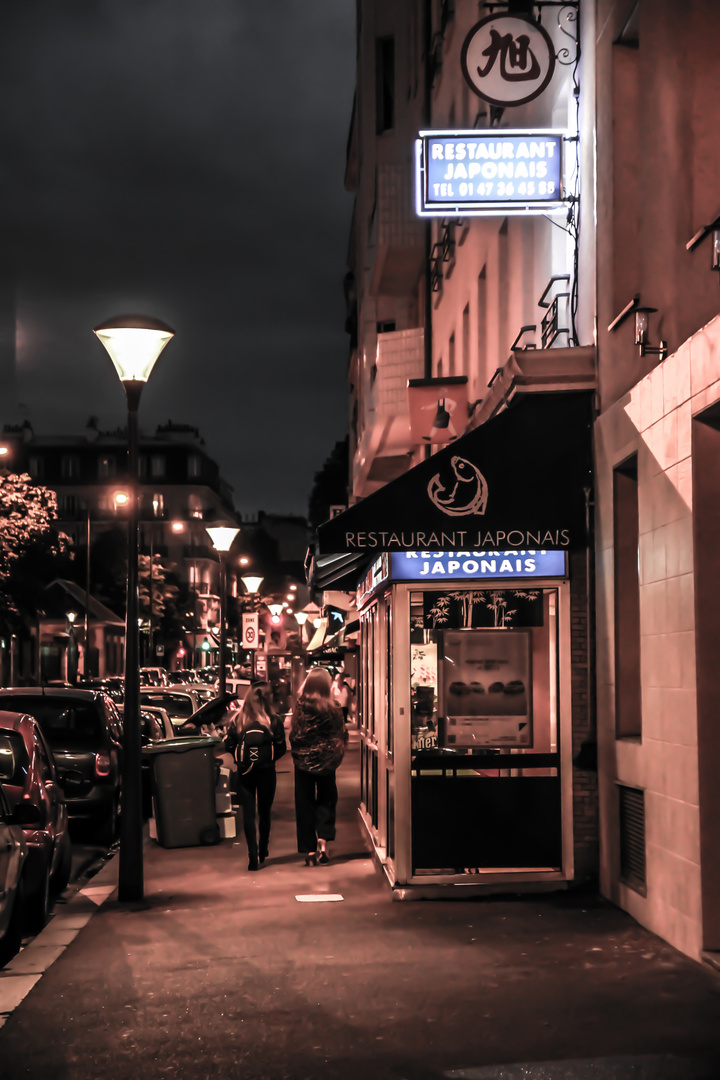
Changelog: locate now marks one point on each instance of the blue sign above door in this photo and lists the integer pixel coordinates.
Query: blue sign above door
(474, 565)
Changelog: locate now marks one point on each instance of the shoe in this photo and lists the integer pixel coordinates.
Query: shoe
(323, 857)
(253, 865)
(311, 859)
(263, 856)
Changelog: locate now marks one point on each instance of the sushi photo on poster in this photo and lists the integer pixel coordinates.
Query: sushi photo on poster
(486, 688)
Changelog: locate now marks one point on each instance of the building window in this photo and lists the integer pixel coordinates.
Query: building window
(385, 84)
(36, 467)
(106, 466)
(628, 705)
(158, 505)
(194, 466)
(70, 467)
(67, 506)
(157, 465)
(142, 467)
(195, 506)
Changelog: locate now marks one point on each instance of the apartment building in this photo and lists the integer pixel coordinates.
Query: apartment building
(181, 490)
(472, 375)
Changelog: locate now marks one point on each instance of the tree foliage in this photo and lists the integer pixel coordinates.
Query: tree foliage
(330, 487)
(32, 550)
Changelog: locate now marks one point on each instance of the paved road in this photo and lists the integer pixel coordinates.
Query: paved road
(225, 974)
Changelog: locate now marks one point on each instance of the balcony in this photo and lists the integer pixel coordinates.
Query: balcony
(396, 234)
(384, 439)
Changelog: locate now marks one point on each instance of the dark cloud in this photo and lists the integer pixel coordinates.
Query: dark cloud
(184, 158)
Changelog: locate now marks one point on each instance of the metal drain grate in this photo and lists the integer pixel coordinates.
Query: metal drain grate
(632, 837)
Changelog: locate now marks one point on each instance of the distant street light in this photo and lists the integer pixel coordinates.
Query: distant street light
(133, 343)
(222, 537)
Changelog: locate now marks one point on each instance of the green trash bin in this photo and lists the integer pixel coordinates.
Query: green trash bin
(184, 791)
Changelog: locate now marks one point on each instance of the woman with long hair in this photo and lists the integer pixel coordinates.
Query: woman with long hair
(318, 737)
(257, 742)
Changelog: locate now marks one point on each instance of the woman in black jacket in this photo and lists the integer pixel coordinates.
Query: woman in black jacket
(318, 737)
(257, 741)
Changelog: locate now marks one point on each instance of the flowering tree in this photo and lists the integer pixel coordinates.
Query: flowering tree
(32, 551)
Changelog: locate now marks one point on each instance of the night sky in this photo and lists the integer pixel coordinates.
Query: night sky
(184, 159)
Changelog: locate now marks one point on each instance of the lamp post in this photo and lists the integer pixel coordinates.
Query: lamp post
(134, 343)
(222, 537)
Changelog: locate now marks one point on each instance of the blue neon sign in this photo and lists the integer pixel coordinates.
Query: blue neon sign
(481, 172)
(474, 565)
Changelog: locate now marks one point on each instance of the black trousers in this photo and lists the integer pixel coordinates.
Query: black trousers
(315, 804)
(257, 791)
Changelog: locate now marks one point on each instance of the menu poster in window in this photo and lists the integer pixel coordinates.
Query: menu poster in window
(486, 688)
(423, 683)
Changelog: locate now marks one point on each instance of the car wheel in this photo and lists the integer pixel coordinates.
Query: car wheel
(37, 905)
(12, 940)
(62, 874)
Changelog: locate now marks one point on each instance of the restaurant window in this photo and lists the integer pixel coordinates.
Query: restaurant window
(157, 465)
(484, 728)
(628, 704)
(70, 467)
(195, 506)
(384, 84)
(158, 505)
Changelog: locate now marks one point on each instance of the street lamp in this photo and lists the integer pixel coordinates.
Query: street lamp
(133, 343)
(222, 537)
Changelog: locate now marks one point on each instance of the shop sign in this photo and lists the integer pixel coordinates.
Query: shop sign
(518, 482)
(486, 689)
(475, 565)
(508, 59)
(479, 173)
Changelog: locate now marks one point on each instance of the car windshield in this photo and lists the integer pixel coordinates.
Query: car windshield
(64, 723)
(13, 758)
(178, 705)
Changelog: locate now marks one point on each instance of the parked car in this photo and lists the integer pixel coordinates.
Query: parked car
(113, 686)
(28, 774)
(84, 731)
(178, 702)
(154, 676)
(13, 855)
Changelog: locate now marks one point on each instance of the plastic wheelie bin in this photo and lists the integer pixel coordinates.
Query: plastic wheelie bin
(184, 771)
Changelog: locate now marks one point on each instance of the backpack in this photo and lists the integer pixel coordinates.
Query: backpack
(255, 749)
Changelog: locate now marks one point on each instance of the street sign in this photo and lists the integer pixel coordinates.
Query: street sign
(250, 630)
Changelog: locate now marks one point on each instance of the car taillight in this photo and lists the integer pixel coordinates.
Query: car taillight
(102, 764)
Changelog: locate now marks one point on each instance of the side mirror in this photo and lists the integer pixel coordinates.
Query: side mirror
(26, 814)
(72, 780)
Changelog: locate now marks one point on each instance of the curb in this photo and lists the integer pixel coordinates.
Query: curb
(73, 910)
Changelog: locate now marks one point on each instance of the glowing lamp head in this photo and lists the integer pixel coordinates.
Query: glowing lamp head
(275, 619)
(222, 536)
(178, 526)
(251, 582)
(205, 646)
(134, 342)
(120, 499)
(301, 617)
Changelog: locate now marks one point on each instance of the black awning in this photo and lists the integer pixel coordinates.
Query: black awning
(516, 483)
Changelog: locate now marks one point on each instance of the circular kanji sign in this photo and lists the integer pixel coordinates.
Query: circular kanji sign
(508, 59)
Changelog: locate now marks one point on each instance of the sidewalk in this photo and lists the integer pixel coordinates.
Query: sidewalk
(224, 974)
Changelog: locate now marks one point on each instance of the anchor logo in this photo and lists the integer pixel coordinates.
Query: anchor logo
(466, 493)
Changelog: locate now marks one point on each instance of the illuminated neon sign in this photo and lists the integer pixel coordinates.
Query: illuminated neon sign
(490, 172)
(472, 565)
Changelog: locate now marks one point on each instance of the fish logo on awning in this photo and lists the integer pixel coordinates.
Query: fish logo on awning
(465, 493)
